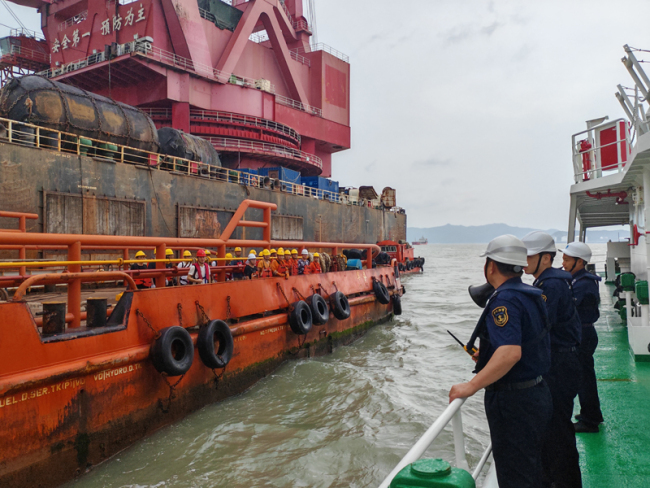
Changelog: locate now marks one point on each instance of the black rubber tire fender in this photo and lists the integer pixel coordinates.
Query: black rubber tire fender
(215, 344)
(173, 352)
(320, 312)
(397, 305)
(300, 319)
(340, 305)
(381, 292)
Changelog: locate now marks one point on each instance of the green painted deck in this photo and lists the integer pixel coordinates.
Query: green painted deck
(618, 456)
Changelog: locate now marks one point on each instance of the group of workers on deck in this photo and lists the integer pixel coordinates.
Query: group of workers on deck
(270, 263)
(535, 356)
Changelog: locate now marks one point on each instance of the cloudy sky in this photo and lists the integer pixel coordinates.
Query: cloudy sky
(467, 107)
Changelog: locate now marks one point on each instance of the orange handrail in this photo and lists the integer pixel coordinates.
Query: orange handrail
(68, 277)
(75, 242)
(22, 227)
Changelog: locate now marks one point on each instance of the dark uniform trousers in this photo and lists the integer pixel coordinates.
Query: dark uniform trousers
(511, 413)
(590, 412)
(560, 457)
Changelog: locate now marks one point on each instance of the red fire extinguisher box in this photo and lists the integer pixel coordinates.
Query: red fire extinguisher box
(612, 141)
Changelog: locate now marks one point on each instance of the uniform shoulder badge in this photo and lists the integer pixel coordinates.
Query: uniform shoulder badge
(500, 316)
(544, 297)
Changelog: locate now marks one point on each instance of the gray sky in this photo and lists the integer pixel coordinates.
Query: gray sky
(467, 107)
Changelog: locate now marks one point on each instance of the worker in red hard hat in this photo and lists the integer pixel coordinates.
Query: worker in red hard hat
(199, 272)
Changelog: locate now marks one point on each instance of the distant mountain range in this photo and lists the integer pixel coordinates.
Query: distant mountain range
(478, 234)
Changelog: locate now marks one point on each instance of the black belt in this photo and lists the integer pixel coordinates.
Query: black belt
(587, 325)
(564, 349)
(519, 385)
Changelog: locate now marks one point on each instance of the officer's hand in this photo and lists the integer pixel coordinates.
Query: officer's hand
(461, 390)
(475, 356)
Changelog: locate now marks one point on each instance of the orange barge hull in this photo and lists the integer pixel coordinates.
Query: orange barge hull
(69, 401)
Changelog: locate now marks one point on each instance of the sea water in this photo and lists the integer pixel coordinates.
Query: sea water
(342, 420)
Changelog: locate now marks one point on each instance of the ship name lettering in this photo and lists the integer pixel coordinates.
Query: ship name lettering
(103, 375)
(39, 392)
(274, 329)
(240, 338)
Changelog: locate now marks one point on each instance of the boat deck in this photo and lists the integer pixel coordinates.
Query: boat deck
(619, 454)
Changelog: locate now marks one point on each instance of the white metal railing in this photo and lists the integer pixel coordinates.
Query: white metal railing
(323, 47)
(586, 153)
(282, 100)
(22, 31)
(75, 19)
(451, 414)
(31, 135)
(300, 58)
(169, 58)
(25, 52)
(265, 147)
(215, 115)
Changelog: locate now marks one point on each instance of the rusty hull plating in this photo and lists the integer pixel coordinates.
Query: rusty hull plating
(71, 400)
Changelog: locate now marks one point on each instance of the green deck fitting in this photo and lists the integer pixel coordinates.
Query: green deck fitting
(620, 454)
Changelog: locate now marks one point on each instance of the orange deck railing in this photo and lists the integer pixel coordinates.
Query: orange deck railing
(74, 243)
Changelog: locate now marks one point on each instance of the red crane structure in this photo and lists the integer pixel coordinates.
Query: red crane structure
(240, 73)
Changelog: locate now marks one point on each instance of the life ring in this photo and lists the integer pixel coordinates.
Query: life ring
(320, 312)
(340, 305)
(397, 305)
(215, 332)
(253, 180)
(300, 318)
(173, 352)
(381, 292)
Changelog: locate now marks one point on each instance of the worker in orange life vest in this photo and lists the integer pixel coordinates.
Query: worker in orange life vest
(199, 272)
(264, 267)
(141, 283)
(292, 259)
(279, 266)
(315, 264)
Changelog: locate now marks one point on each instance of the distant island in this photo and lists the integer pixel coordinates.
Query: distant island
(478, 234)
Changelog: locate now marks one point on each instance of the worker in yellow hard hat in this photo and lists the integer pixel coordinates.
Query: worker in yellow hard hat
(279, 265)
(253, 251)
(238, 273)
(208, 258)
(264, 266)
(141, 265)
(274, 254)
(169, 254)
(229, 276)
(184, 265)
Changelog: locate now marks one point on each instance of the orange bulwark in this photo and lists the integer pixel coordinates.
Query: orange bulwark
(71, 399)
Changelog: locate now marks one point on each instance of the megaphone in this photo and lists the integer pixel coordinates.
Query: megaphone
(481, 293)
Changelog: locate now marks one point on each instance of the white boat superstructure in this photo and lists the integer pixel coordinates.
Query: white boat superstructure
(611, 161)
